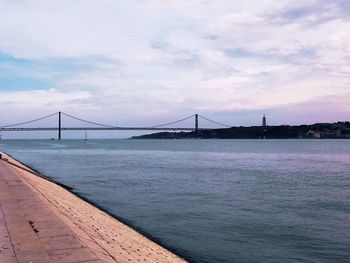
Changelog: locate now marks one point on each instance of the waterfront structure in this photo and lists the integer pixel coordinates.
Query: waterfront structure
(40, 221)
(327, 133)
(95, 126)
(264, 121)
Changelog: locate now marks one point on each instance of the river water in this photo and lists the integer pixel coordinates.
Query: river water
(213, 200)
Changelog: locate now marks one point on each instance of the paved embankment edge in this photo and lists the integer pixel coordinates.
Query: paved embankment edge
(111, 236)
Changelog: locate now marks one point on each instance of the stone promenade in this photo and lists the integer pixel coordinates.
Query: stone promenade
(43, 222)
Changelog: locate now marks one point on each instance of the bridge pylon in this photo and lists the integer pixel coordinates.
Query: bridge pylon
(59, 126)
(196, 122)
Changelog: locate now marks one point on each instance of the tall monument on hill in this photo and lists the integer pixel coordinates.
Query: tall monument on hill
(264, 121)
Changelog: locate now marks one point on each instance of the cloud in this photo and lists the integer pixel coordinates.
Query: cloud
(157, 59)
(45, 101)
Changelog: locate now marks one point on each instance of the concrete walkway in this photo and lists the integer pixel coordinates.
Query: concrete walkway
(42, 222)
(30, 231)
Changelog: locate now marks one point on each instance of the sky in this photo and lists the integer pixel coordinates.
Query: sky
(146, 62)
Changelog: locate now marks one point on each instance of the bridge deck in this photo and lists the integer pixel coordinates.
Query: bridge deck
(99, 129)
(42, 222)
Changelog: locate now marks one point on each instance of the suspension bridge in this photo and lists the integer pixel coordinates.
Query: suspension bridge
(87, 125)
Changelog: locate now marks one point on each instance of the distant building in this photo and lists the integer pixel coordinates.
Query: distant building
(264, 121)
(316, 134)
(326, 133)
(331, 133)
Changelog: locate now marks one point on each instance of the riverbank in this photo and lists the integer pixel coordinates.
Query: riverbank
(40, 221)
(339, 130)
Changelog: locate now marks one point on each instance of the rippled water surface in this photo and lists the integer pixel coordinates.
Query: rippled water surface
(214, 200)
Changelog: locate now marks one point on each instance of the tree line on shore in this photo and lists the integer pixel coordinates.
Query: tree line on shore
(318, 130)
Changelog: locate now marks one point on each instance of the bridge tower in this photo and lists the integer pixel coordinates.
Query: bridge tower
(264, 121)
(196, 122)
(59, 126)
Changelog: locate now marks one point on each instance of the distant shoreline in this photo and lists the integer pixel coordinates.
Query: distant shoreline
(339, 130)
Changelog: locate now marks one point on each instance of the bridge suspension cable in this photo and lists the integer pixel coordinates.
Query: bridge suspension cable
(103, 126)
(216, 122)
(169, 123)
(90, 122)
(31, 121)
